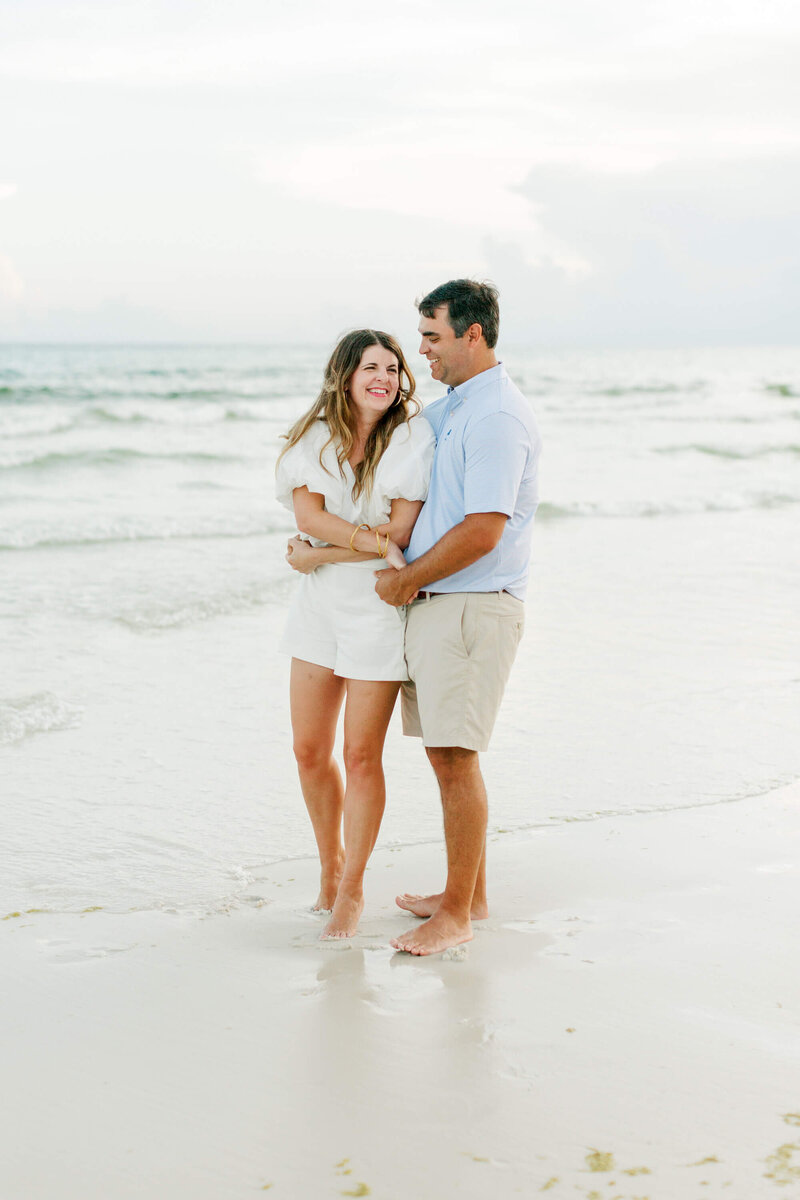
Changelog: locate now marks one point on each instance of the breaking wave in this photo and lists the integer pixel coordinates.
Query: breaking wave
(41, 712)
(110, 456)
(728, 452)
(685, 506)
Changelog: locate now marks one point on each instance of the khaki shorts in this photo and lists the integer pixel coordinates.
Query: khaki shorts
(459, 651)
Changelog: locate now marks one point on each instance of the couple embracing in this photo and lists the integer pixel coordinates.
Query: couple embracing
(414, 549)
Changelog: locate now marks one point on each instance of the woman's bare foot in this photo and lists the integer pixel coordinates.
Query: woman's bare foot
(345, 916)
(426, 906)
(436, 935)
(329, 880)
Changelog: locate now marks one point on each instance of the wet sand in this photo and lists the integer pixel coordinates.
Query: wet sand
(625, 1025)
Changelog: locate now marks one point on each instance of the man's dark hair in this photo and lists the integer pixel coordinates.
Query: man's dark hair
(468, 303)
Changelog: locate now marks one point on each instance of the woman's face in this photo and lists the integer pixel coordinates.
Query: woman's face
(374, 383)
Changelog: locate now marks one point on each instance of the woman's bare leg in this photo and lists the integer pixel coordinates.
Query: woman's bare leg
(366, 719)
(315, 697)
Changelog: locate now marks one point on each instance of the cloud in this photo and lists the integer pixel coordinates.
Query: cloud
(394, 177)
(114, 319)
(684, 252)
(262, 170)
(11, 282)
(170, 44)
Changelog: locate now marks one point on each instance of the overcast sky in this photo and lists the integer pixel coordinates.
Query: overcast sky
(627, 172)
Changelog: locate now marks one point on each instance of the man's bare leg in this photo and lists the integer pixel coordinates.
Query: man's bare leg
(426, 906)
(465, 814)
(315, 696)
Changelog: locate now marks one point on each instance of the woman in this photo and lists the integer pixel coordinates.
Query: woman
(355, 472)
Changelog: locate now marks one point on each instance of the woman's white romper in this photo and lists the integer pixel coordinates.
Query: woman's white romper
(336, 619)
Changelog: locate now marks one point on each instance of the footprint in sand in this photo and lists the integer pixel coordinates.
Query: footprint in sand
(67, 952)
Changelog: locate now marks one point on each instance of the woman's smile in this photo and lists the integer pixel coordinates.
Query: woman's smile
(375, 382)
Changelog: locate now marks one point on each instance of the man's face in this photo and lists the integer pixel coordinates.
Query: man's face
(449, 356)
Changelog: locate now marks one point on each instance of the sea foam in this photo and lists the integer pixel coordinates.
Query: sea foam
(42, 712)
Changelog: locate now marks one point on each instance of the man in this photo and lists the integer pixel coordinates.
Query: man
(467, 567)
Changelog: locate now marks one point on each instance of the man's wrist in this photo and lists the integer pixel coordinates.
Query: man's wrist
(406, 575)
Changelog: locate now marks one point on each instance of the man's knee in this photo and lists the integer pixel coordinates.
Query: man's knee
(452, 762)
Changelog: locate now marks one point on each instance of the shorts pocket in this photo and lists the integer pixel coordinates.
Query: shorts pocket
(470, 621)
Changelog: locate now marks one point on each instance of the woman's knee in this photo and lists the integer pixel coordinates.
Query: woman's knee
(361, 759)
(310, 756)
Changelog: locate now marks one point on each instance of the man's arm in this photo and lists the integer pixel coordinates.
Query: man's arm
(464, 544)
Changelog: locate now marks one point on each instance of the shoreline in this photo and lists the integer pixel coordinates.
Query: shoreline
(623, 1018)
(229, 902)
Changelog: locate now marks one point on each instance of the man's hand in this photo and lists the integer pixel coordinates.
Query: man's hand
(300, 555)
(393, 587)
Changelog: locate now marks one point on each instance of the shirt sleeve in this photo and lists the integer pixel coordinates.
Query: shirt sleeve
(495, 456)
(409, 461)
(300, 467)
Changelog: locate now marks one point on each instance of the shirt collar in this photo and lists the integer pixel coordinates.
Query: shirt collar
(472, 386)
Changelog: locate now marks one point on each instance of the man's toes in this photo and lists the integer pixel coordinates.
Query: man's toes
(408, 944)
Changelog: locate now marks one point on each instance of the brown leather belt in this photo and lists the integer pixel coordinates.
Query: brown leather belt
(431, 595)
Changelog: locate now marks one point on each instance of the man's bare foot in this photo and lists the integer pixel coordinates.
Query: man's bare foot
(436, 935)
(328, 887)
(345, 916)
(426, 906)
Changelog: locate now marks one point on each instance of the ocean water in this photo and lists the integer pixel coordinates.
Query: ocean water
(145, 749)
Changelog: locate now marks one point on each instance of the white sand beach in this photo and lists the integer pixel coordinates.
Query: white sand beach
(198, 200)
(624, 1026)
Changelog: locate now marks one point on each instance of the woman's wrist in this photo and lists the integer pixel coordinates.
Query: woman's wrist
(358, 535)
(369, 541)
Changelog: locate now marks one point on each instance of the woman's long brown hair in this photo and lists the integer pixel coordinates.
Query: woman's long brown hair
(334, 407)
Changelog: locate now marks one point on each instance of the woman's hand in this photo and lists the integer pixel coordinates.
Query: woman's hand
(394, 556)
(301, 556)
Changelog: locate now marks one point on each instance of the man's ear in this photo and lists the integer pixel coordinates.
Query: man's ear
(474, 333)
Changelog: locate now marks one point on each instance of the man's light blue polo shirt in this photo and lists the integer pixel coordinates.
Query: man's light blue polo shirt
(487, 458)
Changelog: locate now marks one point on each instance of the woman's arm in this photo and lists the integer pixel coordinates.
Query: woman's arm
(402, 519)
(311, 517)
(305, 558)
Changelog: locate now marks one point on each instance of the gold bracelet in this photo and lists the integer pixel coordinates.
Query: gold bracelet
(353, 534)
(386, 547)
(382, 553)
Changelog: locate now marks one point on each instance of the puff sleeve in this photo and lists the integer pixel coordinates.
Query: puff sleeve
(405, 469)
(300, 467)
